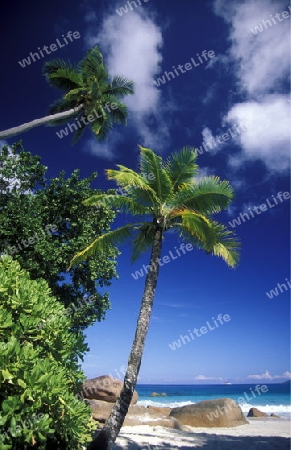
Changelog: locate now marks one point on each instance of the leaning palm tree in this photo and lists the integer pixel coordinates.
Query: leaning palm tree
(89, 97)
(174, 200)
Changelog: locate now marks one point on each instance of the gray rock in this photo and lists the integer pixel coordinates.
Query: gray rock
(223, 412)
(137, 415)
(104, 388)
(254, 412)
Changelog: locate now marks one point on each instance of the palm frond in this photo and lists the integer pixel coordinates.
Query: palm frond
(120, 86)
(123, 203)
(102, 243)
(144, 197)
(117, 113)
(109, 107)
(61, 105)
(226, 245)
(186, 236)
(79, 133)
(95, 94)
(224, 242)
(50, 67)
(181, 167)
(92, 66)
(101, 128)
(144, 240)
(62, 75)
(206, 196)
(198, 225)
(152, 170)
(76, 94)
(127, 178)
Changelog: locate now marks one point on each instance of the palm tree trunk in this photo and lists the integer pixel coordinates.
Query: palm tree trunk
(110, 431)
(37, 122)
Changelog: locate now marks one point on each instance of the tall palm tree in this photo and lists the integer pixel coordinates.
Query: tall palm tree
(87, 93)
(174, 200)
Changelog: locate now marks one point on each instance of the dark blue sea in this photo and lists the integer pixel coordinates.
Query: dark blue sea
(274, 399)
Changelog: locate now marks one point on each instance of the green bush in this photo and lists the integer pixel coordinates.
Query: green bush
(40, 375)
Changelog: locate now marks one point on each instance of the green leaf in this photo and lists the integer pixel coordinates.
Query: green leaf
(22, 383)
(181, 167)
(152, 170)
(101, 243)
(7, 375)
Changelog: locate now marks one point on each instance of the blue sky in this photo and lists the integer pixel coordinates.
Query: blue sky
(246, 82)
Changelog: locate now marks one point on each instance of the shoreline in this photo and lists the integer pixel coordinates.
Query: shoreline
(268, 409)
(259, 434)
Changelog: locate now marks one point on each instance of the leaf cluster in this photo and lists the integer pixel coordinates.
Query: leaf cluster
(27, 212)
(40, 376)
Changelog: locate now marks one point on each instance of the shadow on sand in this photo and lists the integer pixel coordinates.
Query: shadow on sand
(205, 441)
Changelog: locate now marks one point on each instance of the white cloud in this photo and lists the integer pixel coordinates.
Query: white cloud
(175, 305)
(262, 64)
(247, 207)
(160, 319)
(267, 376)
(263, 58)
(214, 143)
(212, 90)
(204, 172)
(132, 48)
(269, 136)
(207, 134)
(226, 137)
(205, 378)
(107, 149)
(231, 210)
(209, 141)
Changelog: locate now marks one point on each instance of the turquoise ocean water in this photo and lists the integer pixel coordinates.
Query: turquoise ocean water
(276, 399)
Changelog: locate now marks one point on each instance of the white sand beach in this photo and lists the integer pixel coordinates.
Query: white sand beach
(259, 434)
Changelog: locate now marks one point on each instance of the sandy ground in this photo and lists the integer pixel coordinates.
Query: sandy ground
(259, 434)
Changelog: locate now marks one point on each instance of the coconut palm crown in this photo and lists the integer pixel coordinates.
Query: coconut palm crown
(170, 195)
(174, 200)
(88, 94)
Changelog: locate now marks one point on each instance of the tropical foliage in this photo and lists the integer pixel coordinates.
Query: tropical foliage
(39, 370)
(44, 223)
